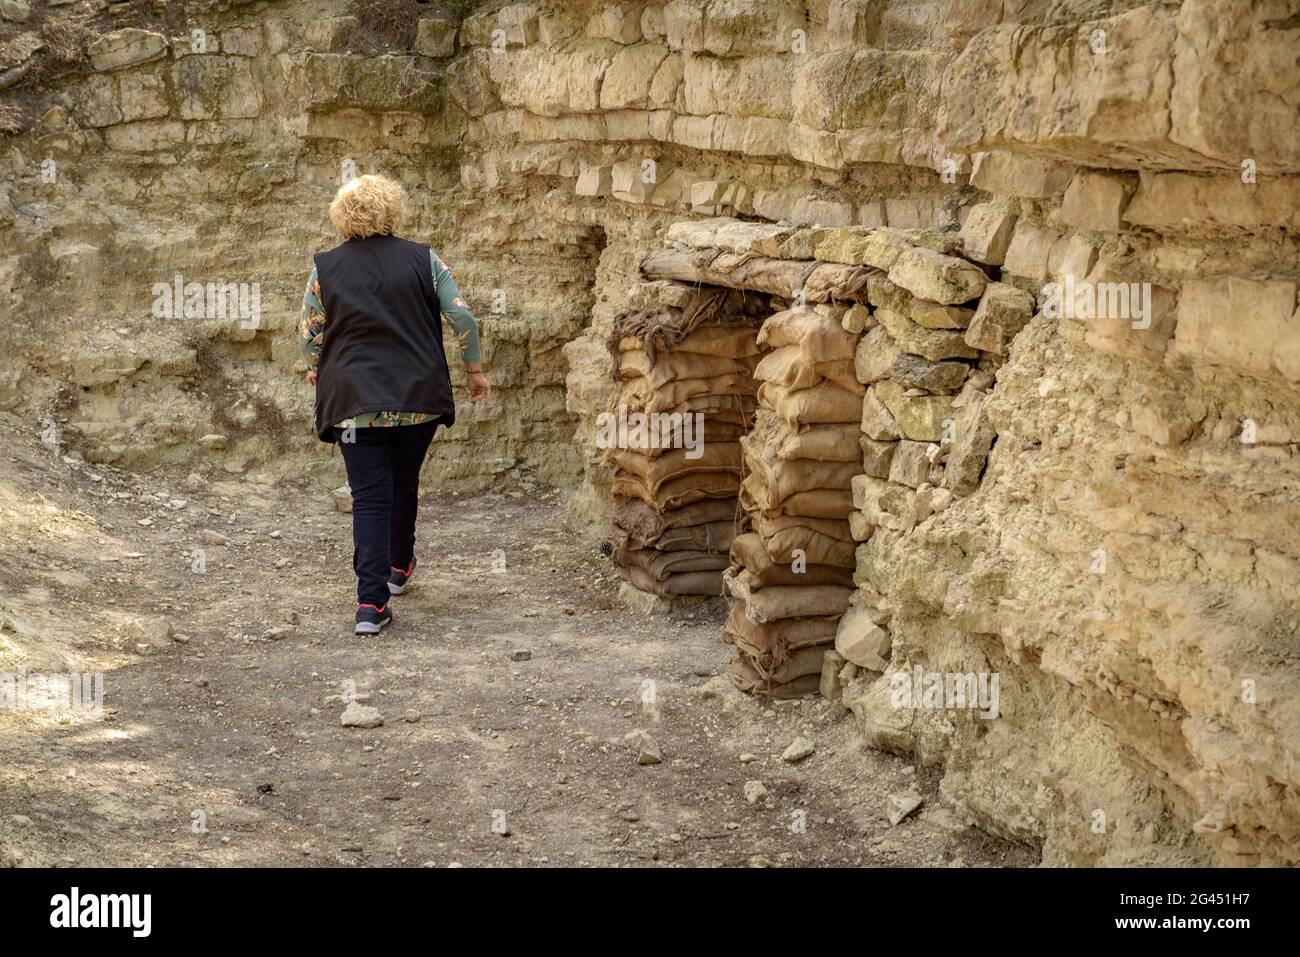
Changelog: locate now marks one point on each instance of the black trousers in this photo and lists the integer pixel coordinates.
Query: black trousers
(383, 466)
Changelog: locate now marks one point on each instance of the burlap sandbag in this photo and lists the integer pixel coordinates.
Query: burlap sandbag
(638, 394)
(671, 366)
(820, 338)
(785, 601)
(799, 664)
(748, 552)
(766, 526)
(790, 367)
(828, 442)
(732, 342)
(810, 540)
(817, 503)
(674, 493)
(771, 643)
(733, 409)
(749, 679)
(711, 537)
(662, 564)
(786, 477)
(830, 282)
(645, 525)
(825, 402)
(686, 583)
(716, 457)
(665, 328)
(671, 437)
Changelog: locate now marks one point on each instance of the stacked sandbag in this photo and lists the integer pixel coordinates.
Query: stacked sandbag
(685, 396)
(791, 572)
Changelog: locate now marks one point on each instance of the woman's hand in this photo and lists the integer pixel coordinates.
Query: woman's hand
(311, 377)
(479, 388)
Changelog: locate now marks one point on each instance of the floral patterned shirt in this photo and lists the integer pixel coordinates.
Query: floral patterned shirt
(311, 337)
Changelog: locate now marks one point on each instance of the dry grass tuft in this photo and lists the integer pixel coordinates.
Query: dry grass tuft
(64, 41)
(12, 119)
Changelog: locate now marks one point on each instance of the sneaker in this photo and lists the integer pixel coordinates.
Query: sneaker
(399, 578)
(371, 619)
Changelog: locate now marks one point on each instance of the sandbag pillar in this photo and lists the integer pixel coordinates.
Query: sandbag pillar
(685, 395)
(791, 577)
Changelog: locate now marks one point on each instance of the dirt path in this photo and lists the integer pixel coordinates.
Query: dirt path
(527, 684)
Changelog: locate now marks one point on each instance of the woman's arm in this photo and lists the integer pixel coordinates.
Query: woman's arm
(311, 326)
(453, 306)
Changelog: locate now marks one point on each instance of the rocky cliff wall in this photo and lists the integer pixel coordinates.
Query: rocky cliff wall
(1127, 561)
(202, 146)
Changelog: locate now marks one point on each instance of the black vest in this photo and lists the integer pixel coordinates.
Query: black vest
(383, 333)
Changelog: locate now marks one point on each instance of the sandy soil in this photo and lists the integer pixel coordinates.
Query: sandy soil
(524, 686)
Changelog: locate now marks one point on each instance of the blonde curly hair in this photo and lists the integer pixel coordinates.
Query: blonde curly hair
(367, 206)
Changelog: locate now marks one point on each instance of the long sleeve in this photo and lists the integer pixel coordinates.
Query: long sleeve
(453, 307)
(311, 326)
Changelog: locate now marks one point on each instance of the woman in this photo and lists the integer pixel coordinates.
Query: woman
(372, 337)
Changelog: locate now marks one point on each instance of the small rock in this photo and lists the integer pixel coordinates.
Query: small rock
(290, 616)
(902, 804)
(647, 750)
(755, 791)
(342, 498)
(411, 715)
(15, 10)
(209, 537)
(361, 716)
(276, 633)
(149, 633)
(748, 758)
(799, 749)
(521, 654)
